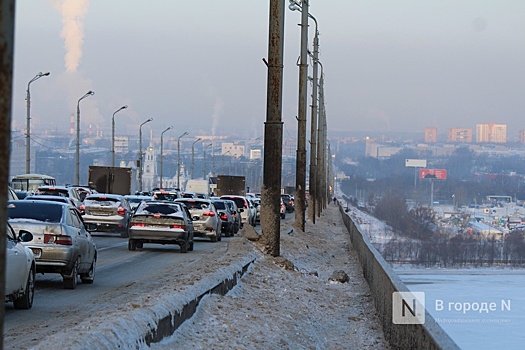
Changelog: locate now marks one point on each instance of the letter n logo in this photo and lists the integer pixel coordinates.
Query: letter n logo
(408, 307)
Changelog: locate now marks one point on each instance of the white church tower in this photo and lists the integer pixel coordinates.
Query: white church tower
(149, 179)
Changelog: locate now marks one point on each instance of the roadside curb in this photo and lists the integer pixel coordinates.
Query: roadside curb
(142, 326)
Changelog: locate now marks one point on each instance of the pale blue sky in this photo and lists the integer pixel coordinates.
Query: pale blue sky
(197, 65)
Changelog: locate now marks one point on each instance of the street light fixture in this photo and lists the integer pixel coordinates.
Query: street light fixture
(161, 151)
(140, 153)
(28, 127)
(113, 134)
(193, 157)
(178, 158)
(204, 156)
(77, 166)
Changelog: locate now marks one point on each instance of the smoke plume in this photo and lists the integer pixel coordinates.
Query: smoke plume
(73, 13)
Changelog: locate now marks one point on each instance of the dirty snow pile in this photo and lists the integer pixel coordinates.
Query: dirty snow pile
(292, 301)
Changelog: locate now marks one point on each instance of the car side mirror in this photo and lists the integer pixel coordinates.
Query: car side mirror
(25, 236)
(195, 218)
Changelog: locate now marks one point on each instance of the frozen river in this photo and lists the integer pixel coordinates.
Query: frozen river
(479, 308)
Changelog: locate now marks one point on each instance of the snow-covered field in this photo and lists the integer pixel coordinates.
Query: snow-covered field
(277, 308)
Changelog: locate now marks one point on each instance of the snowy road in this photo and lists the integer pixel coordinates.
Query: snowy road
(120, 276)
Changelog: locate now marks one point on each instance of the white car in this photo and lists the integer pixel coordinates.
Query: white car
(245, 207)
(20, 269)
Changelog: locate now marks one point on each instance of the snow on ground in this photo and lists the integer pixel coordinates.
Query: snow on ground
(300, 308)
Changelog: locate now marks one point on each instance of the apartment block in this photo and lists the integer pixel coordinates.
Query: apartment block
(431, 135)
(491, 132)
(459, 135)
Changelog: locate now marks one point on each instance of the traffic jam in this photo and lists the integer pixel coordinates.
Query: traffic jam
(50, 228)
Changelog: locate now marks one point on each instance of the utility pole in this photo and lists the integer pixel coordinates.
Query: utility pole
(7, 28)
(314, 137)
(273, 133)
(300, 167)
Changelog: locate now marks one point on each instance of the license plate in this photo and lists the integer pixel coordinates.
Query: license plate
(37, 252)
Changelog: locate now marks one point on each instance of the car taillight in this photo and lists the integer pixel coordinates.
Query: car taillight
(57, 239)
(178, 226)
(208, 213)
(224, 217)
(82, 207)
(138, 224)
(121, 210)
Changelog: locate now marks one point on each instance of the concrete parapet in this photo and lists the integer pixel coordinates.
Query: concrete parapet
(383, 282)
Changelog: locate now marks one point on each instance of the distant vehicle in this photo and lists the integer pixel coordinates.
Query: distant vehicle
(11, 194)
(288, 202)
(165, 195)
(206, 221)
(230, 185)
(161, 223)
(107, 179)
(244, 207)
(20, 269)
(257, 204)
(198, 186)
(44, 197)
(64, 192)
(236, 214)
(109, 212)
(61, 241)
(135, 199)
(226, 215)
(31, 182)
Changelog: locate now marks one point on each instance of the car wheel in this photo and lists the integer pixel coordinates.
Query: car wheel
(25, 301)
(89, 278)
(184, 247)
(139, 245)
(132, 245)
(70, 281)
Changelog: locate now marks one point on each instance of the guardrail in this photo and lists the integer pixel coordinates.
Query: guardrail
(383, 282)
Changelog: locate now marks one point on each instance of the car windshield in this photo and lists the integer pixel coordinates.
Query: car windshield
(196, 205)
(157, 209)
(165, 196)
(103, 201)
(220, 204)
(46, 212)
(53, 192)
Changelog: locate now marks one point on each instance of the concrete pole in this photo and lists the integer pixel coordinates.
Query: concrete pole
(314, 129)
(300, 168)
(28, 121)
(178, 159)
(140, 153)
(77, 153)
(7, 28)
(113, 135)
(273, 133)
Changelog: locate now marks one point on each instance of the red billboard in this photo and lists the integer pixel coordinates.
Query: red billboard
(439, 174)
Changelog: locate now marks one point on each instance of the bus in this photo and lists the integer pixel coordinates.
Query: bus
(31, 182)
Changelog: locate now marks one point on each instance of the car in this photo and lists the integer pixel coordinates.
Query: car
(288, 202)
(257, 204)
(164, 195)
(161, 222)
(206, 221)
(282, 209)
(44, 197)
(20, 269)
(61, 242)
(236, 215)
(63, 191)
(134, 200)
(109, 212)
(244, 208)
(226, 215)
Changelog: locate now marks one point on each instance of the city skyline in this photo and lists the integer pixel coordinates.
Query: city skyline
(389, 67)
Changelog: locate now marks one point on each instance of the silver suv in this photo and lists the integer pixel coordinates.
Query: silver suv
(206, 221)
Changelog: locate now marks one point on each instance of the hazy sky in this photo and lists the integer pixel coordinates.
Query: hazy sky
(390, 65)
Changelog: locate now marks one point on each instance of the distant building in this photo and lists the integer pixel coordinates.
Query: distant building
(232, 149)
(522, 136)
(491, 132)
(459, 135)
(431, 135)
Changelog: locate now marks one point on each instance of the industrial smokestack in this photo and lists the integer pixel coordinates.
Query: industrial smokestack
(73, 13)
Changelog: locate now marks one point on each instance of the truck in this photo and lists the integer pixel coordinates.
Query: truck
(230, 184)
(107, 179)
(198, 186)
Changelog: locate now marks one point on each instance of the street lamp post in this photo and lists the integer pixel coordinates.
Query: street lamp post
(204, 157)
(113, 134)
(140, 153)
(178, 158)
(193, 157)
(77, 154)
(28, 127)
(222, 161)
(161, 151)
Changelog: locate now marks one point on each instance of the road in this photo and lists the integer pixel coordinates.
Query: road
(121, 276)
